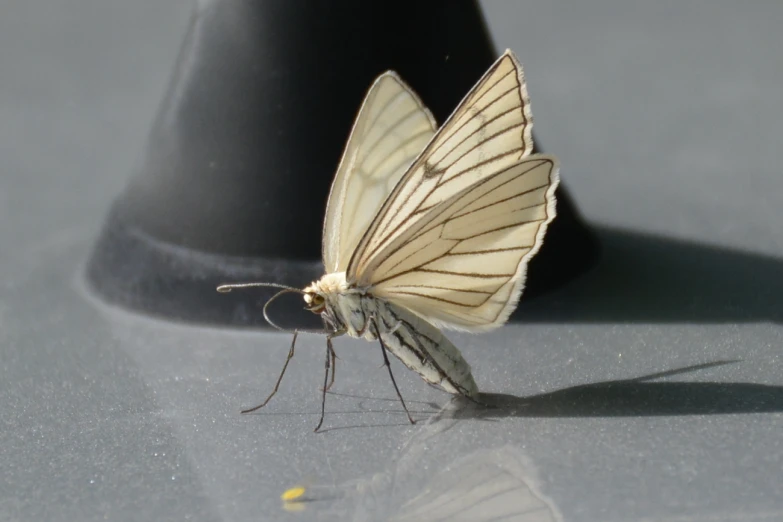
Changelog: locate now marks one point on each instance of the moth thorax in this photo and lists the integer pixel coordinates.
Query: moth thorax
(329, 284)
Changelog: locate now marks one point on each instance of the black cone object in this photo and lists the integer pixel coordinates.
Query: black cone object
(237, 169)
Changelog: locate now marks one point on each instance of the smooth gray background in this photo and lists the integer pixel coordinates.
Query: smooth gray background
(666, 117)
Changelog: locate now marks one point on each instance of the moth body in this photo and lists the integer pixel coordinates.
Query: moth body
(419, 345)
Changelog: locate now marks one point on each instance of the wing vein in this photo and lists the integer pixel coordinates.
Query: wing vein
(405, 143)
(387, 237)
(445, 272)
(434, 298)
(470, 291)
(469, 151)
(489, 251)
(389, 130)
(489, 205)
(454, 130)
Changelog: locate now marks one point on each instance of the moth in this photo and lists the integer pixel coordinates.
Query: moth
(429, 229)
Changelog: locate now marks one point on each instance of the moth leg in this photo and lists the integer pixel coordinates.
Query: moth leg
(280, 378)
(333, 356)
(395, 328)
(370, 321)
(327, 365)
(388, 367)
(330, 348)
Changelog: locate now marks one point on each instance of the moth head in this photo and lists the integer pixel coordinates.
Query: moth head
(315, 295)
(314, 301)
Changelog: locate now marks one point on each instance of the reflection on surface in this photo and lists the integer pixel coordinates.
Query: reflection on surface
(421, 485)
(486, 485)
(427, 482)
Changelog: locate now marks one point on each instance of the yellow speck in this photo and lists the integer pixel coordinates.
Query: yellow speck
(293, 493)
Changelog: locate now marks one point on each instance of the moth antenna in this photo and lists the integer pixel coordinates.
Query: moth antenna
(226, 288)
(271, 299)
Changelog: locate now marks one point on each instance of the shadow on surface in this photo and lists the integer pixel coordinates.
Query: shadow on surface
(418, 409)
(653, 279)
(636, 397)
(628, 398)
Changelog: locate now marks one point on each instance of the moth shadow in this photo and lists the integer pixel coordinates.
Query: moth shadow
(366, 405)
(653, 279)
(628, 398)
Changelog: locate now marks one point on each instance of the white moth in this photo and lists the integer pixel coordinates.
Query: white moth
(429, 229)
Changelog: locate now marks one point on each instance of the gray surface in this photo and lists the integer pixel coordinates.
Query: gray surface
(667, 119)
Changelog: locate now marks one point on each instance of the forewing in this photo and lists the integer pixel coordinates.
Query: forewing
(462, 264)
(489, 131)
(391, 129)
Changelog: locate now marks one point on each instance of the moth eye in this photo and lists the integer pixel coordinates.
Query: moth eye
(314, 301)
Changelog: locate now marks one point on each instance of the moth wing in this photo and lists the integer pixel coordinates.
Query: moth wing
(390, 131)
(490, 130)
(462, 264)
